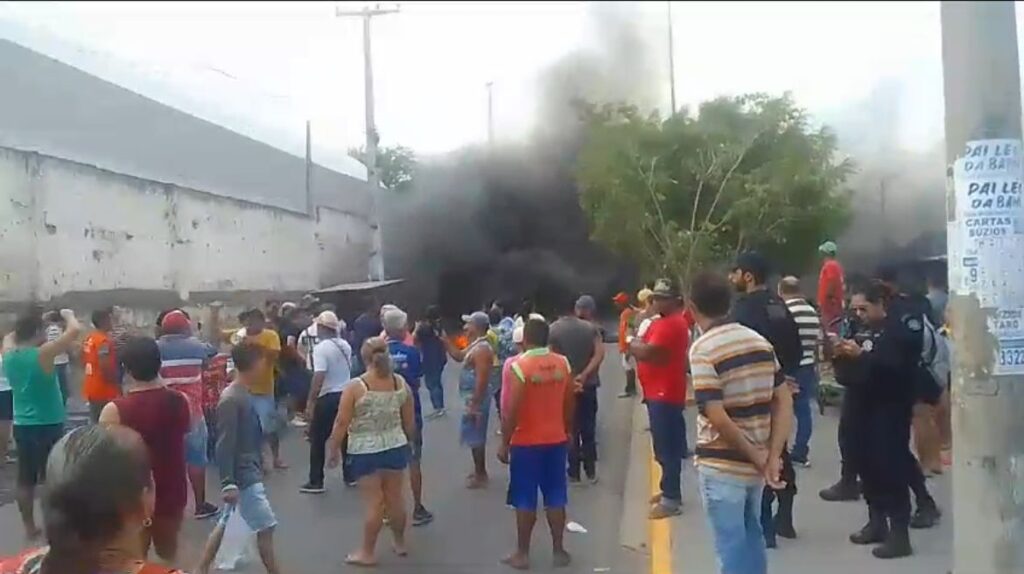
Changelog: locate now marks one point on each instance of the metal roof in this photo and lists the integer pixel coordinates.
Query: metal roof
(363, 286)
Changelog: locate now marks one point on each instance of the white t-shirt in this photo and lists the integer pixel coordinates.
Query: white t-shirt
(307, 342)
(333, 357)
(53, 332)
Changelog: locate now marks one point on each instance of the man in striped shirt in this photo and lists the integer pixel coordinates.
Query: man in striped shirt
(809, 326)
(744, 417)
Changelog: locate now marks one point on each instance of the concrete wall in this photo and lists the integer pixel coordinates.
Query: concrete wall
(68, 228)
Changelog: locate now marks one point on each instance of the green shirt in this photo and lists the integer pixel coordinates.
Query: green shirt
(36, 394)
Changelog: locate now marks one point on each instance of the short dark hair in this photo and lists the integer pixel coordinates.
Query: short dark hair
(711, 294)
(494, 315)
(141, 358)
(754, 263)
(873, 291)
(535, 333)
(101, 316)
(27, 327)
(245, 356)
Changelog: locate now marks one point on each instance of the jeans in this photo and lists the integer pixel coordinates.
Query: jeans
(583, 441)
(324, 412)
(435, 387)
(807, 380)
(668, 437)
(733, 508)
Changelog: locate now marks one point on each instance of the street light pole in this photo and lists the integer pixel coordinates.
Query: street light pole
(981, 79)
(490, 114)
(376, 271)
(671, 61)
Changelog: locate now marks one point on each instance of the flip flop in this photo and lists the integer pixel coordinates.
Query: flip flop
(353, 561)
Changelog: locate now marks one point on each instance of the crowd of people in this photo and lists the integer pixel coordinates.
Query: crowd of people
(167, 408)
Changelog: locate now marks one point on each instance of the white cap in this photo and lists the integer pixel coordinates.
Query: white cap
(518, 335)
(329, 319)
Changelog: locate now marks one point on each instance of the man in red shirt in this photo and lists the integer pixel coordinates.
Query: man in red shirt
(831, 288)
(661, 354)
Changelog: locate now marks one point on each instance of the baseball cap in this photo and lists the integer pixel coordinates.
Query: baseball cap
(586, 302)
(478, 318)
(518, 334)
(753, 262)
(621, 298)
(175, 322)
(829, 248)
(329, 319)
(664, 289)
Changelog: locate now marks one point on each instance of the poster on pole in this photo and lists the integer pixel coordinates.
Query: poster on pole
(987, 241)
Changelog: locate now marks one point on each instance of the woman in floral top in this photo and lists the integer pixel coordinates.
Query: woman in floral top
(91, 470)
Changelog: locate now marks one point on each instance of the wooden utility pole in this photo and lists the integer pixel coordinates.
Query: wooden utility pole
(671, 61)
(376, 271)
(982, 96)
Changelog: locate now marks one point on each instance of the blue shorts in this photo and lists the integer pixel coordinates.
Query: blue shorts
(473, 431)
(271, 419)
(196, 443)
(254, 507)
(363, 465)
(538, 467)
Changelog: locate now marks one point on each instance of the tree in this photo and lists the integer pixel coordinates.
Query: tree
(396, 165)
(746, 172)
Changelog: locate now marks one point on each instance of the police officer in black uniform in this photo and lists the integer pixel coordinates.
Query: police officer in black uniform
(903, 303)
(886, 362)
(850, 374)
(760, 309)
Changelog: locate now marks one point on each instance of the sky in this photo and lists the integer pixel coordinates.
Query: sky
(264, 68)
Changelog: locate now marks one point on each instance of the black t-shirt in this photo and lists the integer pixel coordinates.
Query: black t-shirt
(766, 313)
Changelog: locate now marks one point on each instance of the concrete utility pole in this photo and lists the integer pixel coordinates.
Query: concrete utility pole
(671, 60)
(490, 114)
(982, 92)
(372, 176)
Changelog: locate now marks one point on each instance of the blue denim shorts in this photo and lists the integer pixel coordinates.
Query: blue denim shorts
(254, 508)
(196, 442)
(473, 431)
(271, 419)
(363, 465)
(538, 467)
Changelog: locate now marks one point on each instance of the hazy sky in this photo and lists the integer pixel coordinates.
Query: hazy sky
(262, 68)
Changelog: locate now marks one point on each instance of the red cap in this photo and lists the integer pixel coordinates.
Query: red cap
(175, 322)
(621, 298)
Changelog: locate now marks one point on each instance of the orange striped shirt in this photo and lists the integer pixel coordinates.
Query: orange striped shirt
(733, 364)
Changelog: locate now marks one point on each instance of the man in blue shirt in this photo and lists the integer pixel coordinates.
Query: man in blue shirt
(428, 339)
(408, 363)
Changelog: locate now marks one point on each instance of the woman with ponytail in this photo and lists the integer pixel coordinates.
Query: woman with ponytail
(98, 500)
(376, 415)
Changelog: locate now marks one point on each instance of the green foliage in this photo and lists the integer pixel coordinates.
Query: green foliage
(396, 165)
(745, 172)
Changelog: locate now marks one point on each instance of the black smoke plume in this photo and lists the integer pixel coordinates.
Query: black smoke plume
(504, 223)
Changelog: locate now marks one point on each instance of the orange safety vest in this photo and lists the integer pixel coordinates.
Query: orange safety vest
(541, 419)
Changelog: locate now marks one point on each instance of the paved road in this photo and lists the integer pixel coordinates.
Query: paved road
(473, 529)
(823, 527)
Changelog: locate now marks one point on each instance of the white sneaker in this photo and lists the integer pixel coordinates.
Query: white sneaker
(298, 422)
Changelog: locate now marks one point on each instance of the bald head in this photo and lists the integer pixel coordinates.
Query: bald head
(789, 287)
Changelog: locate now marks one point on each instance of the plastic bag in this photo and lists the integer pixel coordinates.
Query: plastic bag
(238, 546)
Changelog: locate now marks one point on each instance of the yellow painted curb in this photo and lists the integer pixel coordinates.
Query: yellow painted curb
(660, 530)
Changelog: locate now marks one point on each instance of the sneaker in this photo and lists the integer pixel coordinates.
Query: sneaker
(439, 413)
(575, 482)
(310, 488)
(803, 462)
(298, 422)
(840, 491)
(625, 395)
(665, 509)
(421, 516)
(206, 510)
(593, 479)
